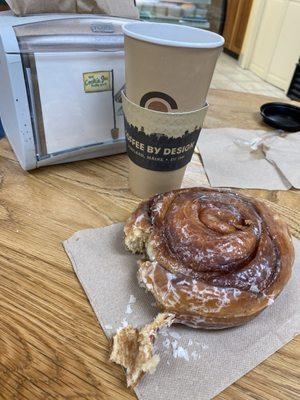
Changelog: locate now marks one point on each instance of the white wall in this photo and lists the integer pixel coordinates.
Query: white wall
(272, 43)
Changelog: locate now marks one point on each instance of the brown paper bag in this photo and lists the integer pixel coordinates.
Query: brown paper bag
(118, 8)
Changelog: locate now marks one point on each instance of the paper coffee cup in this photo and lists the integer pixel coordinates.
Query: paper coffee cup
(168, 70)
(169, 67)
(159, 146)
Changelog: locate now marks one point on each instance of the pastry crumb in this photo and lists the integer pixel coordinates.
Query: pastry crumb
(133, 348)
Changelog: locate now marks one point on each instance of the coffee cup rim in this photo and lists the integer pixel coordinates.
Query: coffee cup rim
(173, 35)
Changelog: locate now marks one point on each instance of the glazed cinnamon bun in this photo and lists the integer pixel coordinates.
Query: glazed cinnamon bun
(213, 258)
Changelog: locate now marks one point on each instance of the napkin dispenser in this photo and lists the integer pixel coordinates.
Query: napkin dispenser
(60, 82)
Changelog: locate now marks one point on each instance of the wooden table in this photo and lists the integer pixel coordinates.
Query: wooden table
(51, 345)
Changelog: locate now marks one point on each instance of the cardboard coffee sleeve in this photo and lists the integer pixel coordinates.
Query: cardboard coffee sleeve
(159, 146)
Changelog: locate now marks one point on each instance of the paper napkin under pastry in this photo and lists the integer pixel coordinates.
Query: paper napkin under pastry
(250, 158)
(195, 364)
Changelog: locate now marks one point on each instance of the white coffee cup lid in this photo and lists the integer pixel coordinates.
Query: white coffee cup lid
(173, 35)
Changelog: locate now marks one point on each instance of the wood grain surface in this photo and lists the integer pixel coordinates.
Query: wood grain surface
(51, 345)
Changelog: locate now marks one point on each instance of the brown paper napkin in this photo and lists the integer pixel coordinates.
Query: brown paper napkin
(284, 151)
(229, 160)
(195, 364)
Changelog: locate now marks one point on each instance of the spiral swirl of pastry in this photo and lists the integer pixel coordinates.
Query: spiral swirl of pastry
(214, 258)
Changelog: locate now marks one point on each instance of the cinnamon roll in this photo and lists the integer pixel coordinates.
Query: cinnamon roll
(213, 258)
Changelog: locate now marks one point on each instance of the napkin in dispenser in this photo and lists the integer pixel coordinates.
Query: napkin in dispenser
(61, 79)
